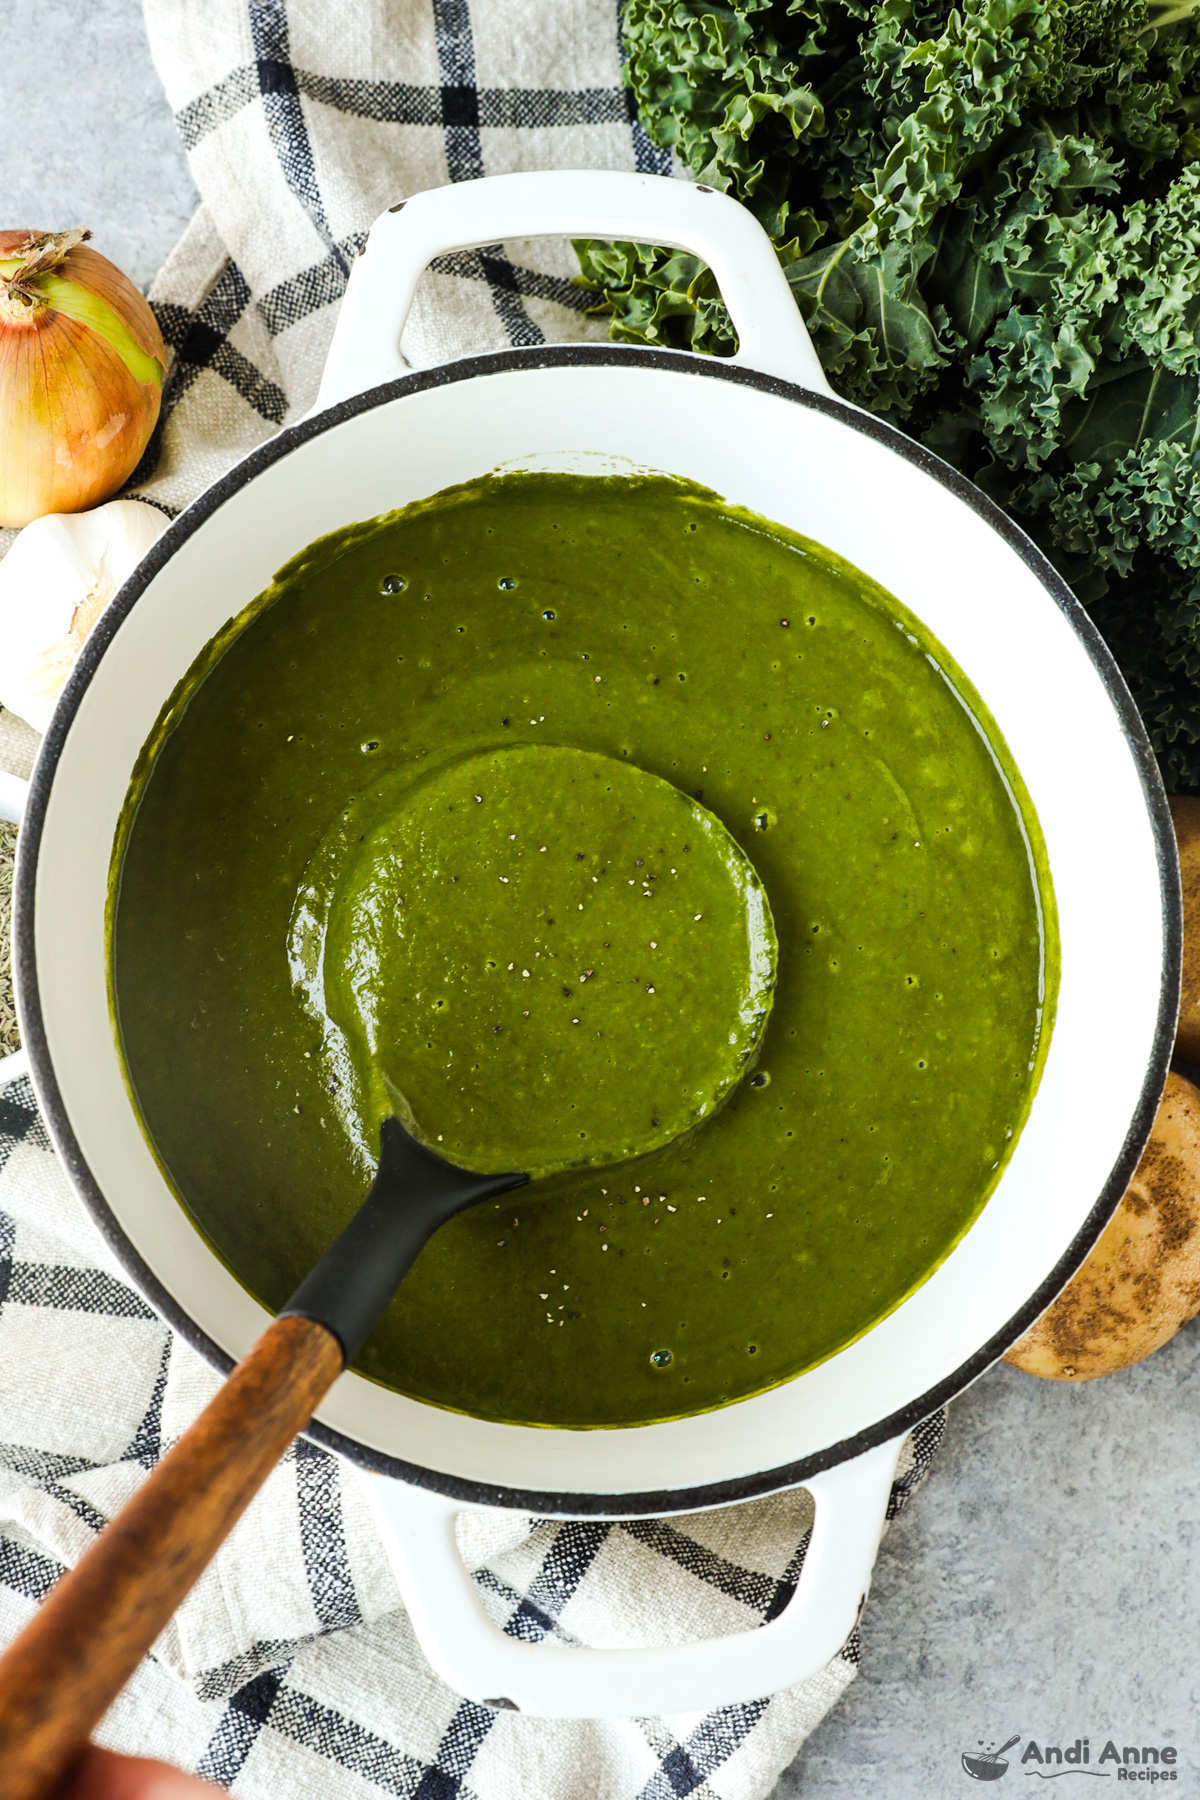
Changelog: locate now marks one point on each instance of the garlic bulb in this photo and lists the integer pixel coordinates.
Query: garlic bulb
(55, 582)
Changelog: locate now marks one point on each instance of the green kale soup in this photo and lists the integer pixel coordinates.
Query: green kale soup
(859, 784)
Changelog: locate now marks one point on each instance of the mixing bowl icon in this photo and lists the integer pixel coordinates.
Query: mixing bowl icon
(989, 1766)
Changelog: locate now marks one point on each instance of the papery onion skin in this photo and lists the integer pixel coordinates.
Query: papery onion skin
(74, 418)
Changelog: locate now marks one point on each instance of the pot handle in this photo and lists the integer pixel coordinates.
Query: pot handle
(559, 1681)
(652, 209)
(13, 794)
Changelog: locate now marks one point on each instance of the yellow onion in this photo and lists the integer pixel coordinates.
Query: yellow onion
(81, 369)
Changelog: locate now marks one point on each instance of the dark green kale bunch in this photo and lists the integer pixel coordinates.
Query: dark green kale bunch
(990, 218)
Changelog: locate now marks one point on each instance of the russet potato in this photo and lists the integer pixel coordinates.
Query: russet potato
(1185, 816)
(1142, 1279)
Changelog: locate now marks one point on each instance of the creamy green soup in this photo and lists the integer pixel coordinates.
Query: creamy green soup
(280, 939)
(476, 953)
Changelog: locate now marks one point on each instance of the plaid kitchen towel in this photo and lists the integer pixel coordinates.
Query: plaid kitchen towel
(302, 124)
(292, 1668)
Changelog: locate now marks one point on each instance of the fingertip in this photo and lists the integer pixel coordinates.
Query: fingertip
(106, 1775)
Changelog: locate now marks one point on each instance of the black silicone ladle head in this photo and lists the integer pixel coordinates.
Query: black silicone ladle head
(535, 957)
(414, 1192)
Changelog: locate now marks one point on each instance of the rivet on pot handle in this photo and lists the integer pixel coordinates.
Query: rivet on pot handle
(647, 209)
(550, 1680)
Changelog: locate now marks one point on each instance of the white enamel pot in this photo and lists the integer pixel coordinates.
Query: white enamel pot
(764, 431)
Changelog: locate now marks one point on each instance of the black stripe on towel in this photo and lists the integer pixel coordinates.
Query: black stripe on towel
(27, 1571)
(684, 1766)
(568, 1560)
(323, 1537)
(20, 1121)
(240, 1724)
(402, 103)
(464, 154)
(286, 125)
(67, 1289)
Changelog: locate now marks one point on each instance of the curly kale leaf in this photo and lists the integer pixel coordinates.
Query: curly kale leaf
(1151, 621)
(1150, 501)
(1044, 258)
(714, 84)
(870, 324)
(945, 100)
(1162, 307)
(649, 292)
(989, 215)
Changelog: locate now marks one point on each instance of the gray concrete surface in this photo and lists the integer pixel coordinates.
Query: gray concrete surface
(1044, 1581)
(86, 135)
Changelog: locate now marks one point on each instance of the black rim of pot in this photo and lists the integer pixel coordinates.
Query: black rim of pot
(641, 1502)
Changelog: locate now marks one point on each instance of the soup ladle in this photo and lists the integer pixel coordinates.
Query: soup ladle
(64, 1670)
(61, 1674)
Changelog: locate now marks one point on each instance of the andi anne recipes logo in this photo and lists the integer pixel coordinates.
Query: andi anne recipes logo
(1122, 1762)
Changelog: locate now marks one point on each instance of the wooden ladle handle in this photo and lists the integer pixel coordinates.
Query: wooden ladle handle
(58, 1678)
